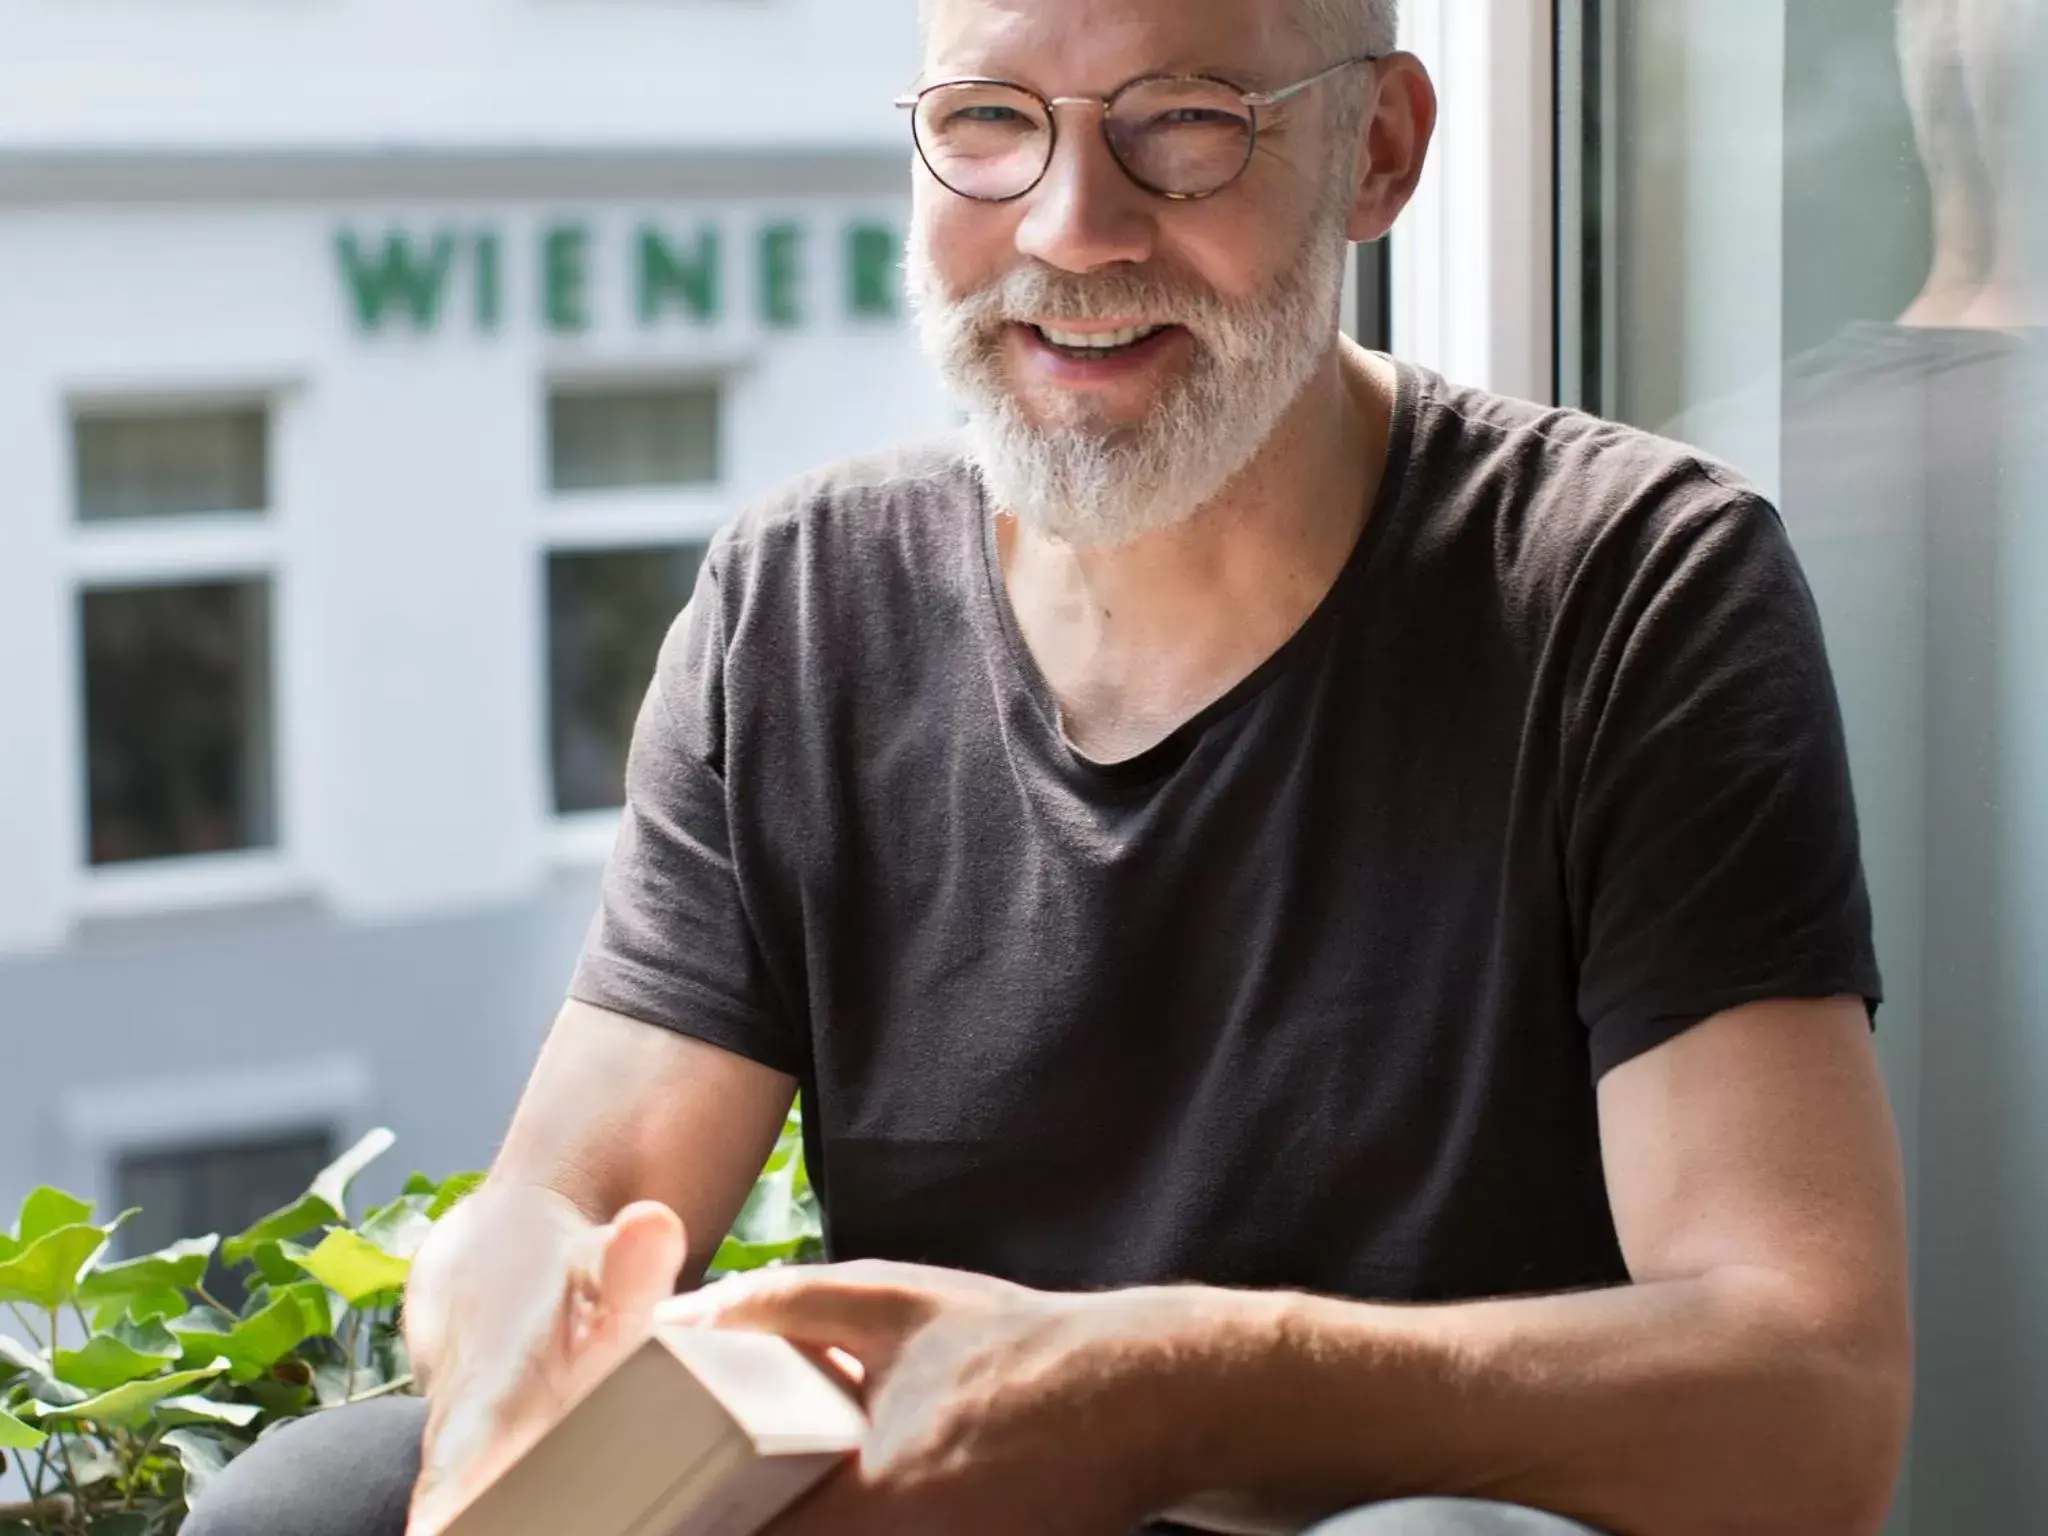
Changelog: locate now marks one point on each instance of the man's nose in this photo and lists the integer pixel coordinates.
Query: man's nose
(1086, 213)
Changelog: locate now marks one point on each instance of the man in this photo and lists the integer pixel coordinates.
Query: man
(1315, 912)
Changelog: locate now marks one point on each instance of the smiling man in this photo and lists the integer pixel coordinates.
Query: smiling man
(1316, 912)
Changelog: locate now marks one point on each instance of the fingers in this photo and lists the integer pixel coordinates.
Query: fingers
(867, 1317)
(642, 1252)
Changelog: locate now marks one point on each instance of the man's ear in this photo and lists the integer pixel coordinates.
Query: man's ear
(1393, 146)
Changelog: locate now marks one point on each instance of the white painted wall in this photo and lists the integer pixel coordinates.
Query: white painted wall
(503, 73)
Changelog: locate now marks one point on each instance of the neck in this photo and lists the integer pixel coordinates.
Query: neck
(1136, 639)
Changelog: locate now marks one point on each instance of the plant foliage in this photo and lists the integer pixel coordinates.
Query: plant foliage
(130, 1385)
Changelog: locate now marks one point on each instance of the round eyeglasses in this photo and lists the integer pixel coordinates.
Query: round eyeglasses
(1177, 136)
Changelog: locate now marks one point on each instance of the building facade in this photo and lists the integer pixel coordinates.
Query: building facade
(371, 376)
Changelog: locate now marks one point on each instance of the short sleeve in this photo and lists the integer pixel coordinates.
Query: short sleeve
(1711, 848)
(671, 943)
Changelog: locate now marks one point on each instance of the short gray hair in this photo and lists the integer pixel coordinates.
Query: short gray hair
(1345, 28)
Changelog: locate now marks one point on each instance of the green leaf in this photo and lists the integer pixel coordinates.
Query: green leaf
(178, 1267)
(203, 1453)
(47, 1209)
(402, 1228)
(252, 1345)
(129, 1352)
(174, 1412)
(17, 1436)
(274, 1265)
(455, 1189)
(44, 1273)
(129, 1405)
(40, 1379)
(352, 1265)
(324, 1204)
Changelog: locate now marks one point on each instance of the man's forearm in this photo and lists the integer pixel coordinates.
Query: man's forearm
(1701, 1405)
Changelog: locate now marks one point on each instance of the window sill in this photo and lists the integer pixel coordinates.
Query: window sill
(198, 882)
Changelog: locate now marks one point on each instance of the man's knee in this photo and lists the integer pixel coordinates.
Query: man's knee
(348, 1472)
(1449, 1517)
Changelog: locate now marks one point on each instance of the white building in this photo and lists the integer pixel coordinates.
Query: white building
(370, 375)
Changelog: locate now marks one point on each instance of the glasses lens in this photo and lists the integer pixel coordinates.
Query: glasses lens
(986, 141)
(1185, 138)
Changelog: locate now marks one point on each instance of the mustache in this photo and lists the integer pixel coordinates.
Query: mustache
(1039, 292)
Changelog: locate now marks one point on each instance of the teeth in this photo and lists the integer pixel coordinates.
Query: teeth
(1102, 341)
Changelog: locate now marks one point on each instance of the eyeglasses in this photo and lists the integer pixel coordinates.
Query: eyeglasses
(1177, 136)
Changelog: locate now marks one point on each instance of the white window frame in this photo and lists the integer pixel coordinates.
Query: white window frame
(588, 522)
(1474, 255)
(223, 546)
(101, 1123)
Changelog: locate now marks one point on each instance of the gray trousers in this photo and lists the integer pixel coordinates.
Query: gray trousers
(350, 1473)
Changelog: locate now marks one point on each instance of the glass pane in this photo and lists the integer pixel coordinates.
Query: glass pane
(171, 464)
(621, 439)
(217, 1187)
(177, 719)
(607, 615)
(1811, 240)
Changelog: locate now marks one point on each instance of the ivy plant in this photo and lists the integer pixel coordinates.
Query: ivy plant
(130, 1385)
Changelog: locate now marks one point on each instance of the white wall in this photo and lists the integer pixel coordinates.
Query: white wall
(321, 73)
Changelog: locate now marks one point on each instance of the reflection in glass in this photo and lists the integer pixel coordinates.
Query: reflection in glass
(177, 719)
(632, 438)
(170, 463)
(608, 612)
(1812, 243)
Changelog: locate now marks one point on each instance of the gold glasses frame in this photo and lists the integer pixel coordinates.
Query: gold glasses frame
(1255, 102)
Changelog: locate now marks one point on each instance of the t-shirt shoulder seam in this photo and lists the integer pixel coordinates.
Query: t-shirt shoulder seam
(1701, 465)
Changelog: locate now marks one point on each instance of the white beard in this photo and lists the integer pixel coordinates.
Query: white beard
(1092, 484)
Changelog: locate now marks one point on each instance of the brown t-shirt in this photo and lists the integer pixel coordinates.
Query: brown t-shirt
(1315, 993)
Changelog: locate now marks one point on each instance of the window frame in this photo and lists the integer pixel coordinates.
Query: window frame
(1473, 256)
(234, 544)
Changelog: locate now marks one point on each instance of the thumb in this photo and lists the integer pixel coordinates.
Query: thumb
(641, 1255)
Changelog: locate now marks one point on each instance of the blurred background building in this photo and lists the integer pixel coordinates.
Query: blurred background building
(371, 373)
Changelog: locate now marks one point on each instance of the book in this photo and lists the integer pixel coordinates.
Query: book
(698, 1432)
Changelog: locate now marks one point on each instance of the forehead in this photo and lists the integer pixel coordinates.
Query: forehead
(1092, 46)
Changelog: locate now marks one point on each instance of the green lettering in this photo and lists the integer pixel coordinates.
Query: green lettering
(690, 279)
(873, 275)
(565, 277)
(396, 276)
(782, 274)
(489, 290)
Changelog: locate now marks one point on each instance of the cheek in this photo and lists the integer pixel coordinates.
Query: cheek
(967, 244)
(1238, 255)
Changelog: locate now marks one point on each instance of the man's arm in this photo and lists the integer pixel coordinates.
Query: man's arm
(544, 1277)
(1755, 1378)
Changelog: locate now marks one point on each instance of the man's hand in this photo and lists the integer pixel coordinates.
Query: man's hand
(511, 1335)
(993, 1408)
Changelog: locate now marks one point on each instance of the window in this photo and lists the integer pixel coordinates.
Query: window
(171, 464)
(607, 614)
(221, 1187)
(1804, 236)
(175, 552)
(177, 719)
(634, 437)
(635, 472)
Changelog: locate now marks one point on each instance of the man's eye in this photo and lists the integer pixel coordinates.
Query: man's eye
(990, 116)
(1198, 117)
